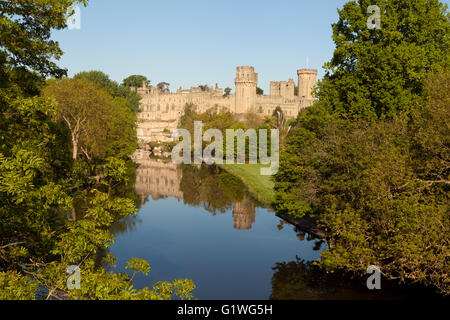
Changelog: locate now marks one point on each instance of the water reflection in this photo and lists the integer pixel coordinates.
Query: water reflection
(209, 187)
(305, 280)
(199, 222)
(158, 180)
(191, 224)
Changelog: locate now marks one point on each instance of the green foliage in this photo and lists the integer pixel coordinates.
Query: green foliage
(138, 266)
(113, 88)
(259, 186)
(100, 126)
(370, 159)
(379, 188)
(41, 187)
(163, 86)
(227, 92)
(259, 91)
(222, 119)
(381, 72)
(200, 188)
(204, 88)
(115, 169)
(25, 28)
(14, 286)
(135, 81)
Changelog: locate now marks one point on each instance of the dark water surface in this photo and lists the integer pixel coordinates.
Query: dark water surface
(200, 223)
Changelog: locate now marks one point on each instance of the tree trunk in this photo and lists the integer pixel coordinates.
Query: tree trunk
(74, 149)
(74, 214)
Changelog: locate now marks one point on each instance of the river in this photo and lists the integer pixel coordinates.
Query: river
(200, 223)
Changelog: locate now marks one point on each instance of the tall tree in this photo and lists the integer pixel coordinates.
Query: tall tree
(135, 81)
(259, 91)
(83, 107)
(163, 86)
(381, 72)
(25, 28)
(99, 125)
(227, 92)
(112, 87)
(382, 104)
(37, 240)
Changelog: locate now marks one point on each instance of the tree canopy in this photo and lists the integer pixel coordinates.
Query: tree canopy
(112, 87)
(100, 125)
(369, 160)
(135, 81)
(41, 186)
(381, 72)
(25, 29)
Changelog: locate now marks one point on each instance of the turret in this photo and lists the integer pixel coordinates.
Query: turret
(246, 82)
(306, 83)
(290, 91)
(274, 88)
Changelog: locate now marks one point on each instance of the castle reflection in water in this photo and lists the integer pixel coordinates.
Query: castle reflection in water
(161, 180)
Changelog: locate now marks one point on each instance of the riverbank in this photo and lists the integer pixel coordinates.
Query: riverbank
(259, 186)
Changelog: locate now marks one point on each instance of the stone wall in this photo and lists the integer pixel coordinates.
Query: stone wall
(160, 111)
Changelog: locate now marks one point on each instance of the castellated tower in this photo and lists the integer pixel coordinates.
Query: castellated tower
(306, 83)
(246, 82)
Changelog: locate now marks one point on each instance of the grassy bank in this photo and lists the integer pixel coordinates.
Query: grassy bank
(261, 187)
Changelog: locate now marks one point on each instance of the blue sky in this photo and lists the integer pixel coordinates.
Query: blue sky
(188, 43)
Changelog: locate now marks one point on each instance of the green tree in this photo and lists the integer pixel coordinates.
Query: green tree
(112, 88)
(135, 81)
(381, 72)
(163, 86)
(259, 91)
(370, 159)
(227, 91)
(38, 241)
(25, 29)
(82, 106)
(334, 169)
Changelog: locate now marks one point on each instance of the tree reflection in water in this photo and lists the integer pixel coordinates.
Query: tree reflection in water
(204, 186)
(305, 280)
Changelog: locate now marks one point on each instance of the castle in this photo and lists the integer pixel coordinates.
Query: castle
(161, 110)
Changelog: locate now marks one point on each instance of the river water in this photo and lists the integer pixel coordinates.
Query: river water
(200, 223)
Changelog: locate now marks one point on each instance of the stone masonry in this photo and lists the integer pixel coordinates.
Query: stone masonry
(160, 111)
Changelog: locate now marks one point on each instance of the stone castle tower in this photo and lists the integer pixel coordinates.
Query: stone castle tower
(244, 214)
(306, 83)
(161, 110)
(282, 89)
(246, 82)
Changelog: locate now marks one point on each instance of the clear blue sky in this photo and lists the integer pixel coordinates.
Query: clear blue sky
(188, 43)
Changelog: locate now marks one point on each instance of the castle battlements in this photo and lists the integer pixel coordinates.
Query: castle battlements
(161, 110)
